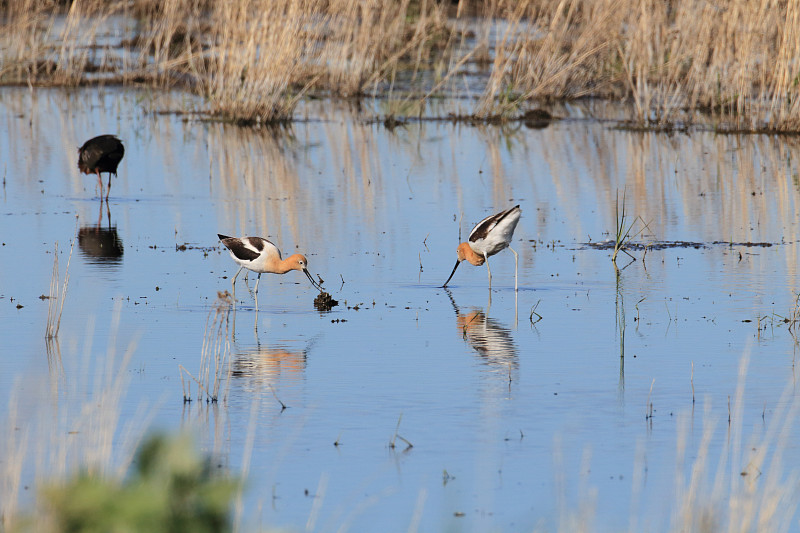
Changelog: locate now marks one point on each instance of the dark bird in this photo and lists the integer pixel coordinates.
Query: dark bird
(259, 255)
(490, 236)
(101, 154)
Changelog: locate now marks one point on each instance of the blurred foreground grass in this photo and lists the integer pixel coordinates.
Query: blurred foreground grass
(170, 487)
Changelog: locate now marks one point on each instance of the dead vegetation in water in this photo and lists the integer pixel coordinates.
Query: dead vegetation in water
(252, 60)
(324, 302)
(665, 245)
(77, 426)
(58, 294)
(214, 374)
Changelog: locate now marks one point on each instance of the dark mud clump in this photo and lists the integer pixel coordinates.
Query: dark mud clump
(663, 245)
(655, 245)
(324, 302)
(536, 119)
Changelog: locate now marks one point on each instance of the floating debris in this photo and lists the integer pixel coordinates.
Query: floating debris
(655, 245)
(324, 302)
(661, 245)
(536, 119)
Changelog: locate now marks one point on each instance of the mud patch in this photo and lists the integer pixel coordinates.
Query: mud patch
(324, 302)
(662, 245)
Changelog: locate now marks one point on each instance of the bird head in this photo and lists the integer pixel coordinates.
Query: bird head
(299, 262)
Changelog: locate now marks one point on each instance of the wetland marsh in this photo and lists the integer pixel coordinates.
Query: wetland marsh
(674, 375)
(655, 392)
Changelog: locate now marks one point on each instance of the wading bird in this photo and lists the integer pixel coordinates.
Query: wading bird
(259, 255)
(491, 235)
(101, 154)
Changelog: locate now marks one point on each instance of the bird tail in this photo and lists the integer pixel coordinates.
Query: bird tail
(222, 237)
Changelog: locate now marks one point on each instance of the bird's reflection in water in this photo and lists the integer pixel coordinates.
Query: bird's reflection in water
(101, 245)
(490, 339)
(262, 365)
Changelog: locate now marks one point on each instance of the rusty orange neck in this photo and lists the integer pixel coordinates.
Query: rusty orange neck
(465, 252)
(291, 263)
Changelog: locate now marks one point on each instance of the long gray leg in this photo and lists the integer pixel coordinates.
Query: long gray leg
(257, 282)
(489, 270)
(233, 283)
(516, 264)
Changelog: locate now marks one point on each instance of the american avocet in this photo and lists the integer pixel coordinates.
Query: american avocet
(259, 255)
(489, 236)
(101, 154)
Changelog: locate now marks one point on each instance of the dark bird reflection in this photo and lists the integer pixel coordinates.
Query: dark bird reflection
(101, 245)
(487, 336)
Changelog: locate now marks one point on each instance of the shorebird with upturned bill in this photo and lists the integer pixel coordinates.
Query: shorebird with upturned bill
(261, 256)
(101, 154)
(490, 236)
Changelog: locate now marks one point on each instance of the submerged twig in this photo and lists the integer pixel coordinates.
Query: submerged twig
(533, 312)
(283, 405)
(397, 436)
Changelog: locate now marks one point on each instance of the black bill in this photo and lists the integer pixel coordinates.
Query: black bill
(451, 274)
(311, 279)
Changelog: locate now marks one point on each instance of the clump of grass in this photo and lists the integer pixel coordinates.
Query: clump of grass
(215, 368)
(51, 42)
(73, 430)
(58, 294)
(549, 50)
(252, 60)
(625, 233)
(671, 59)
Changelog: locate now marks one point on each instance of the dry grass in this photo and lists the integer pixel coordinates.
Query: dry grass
(750, 488)
(253, 59)
(744, 485)
(58, 294)
(215, 367)
(77, 428)
(734, 60)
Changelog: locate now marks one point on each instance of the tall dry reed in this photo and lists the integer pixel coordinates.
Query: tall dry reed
(732, 60)
(77, 429)
(58, 294)
(253, 59)
(213, 377)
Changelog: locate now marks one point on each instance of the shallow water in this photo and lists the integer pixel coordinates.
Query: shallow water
(514, 424)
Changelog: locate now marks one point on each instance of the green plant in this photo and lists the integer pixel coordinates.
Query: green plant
(623, 235)
(171, 488)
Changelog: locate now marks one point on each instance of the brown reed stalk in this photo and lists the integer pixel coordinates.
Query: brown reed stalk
(58, 294)
(679, 62)
(215, 368)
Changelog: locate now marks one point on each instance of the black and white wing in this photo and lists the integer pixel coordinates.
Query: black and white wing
(508, 218)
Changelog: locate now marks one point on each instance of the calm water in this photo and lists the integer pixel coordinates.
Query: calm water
(514, 425)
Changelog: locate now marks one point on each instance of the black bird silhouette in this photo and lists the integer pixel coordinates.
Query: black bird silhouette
(101, 154)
